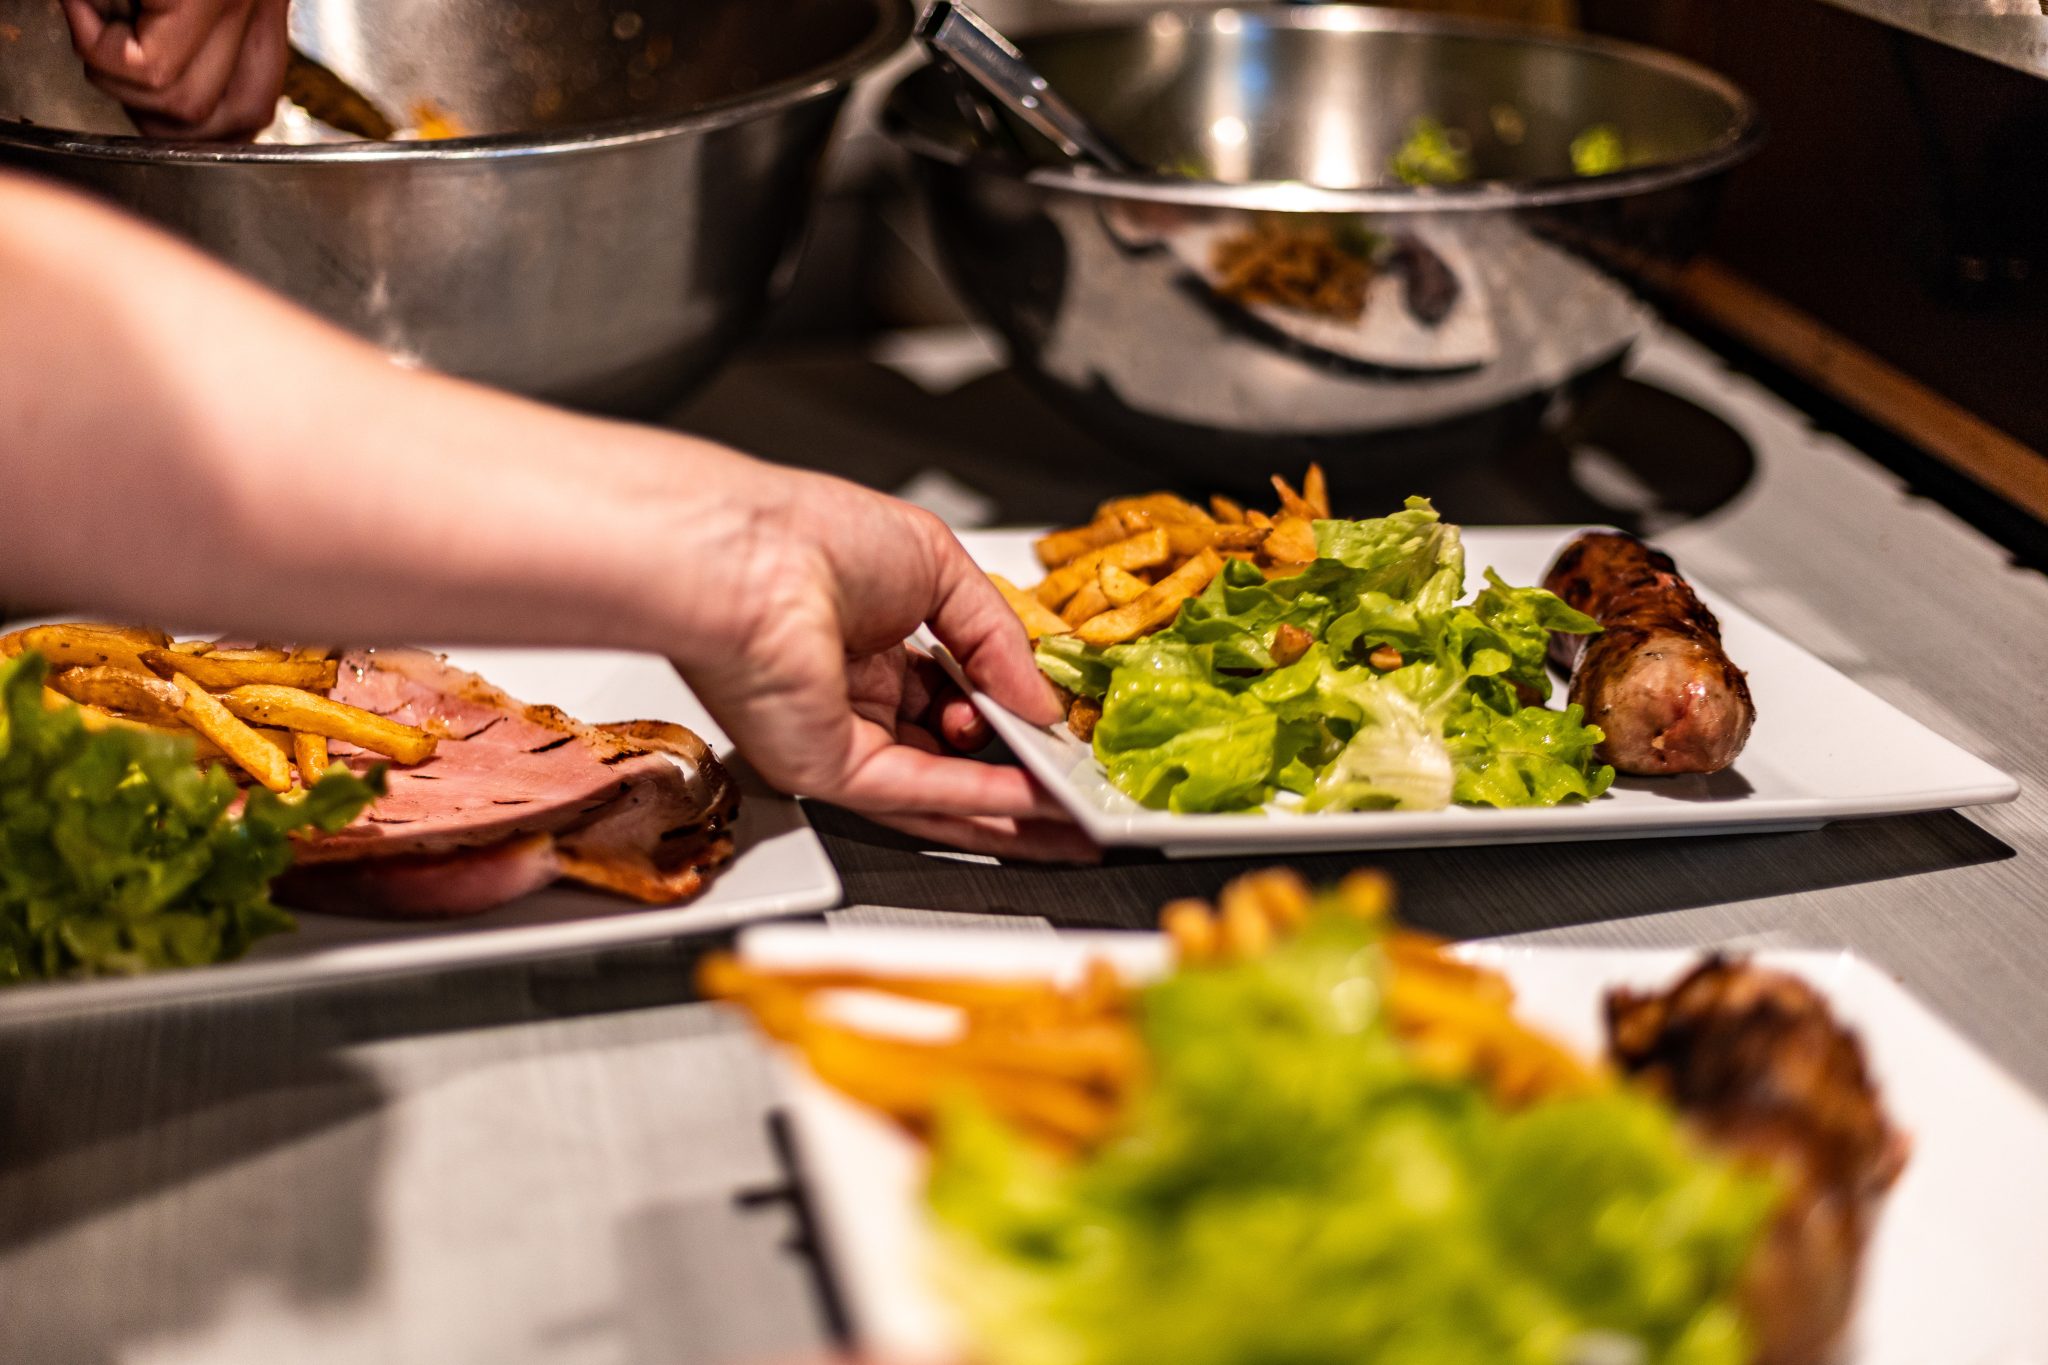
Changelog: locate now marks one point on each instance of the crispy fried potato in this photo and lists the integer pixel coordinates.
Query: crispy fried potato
(86, 646)
(190, 646)
(1092, 600)
(1293, 541)
(1226, 510)
(314, 652)
(1038, 619)
(310, 756)
(1061, 547)
(1315, 491)
(1119, 585)
(1140, 551)
(1159, 605)
(1183, 541)
(96, 719)
(1254, 517)
(256, 755)
(1292, 503)
(1192, 928)
(119, 689)
(1161, 507)
(289, 708)
(1082, 714)
(222, 669)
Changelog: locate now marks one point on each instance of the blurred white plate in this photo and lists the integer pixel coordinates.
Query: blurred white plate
(1823, 749)
(1953, 1276)
(780, 869)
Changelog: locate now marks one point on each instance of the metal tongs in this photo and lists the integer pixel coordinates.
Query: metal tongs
(965, 41)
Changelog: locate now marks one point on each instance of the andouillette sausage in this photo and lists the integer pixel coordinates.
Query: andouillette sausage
(1656, 678)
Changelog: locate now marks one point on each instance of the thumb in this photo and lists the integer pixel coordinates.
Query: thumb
(971, 619)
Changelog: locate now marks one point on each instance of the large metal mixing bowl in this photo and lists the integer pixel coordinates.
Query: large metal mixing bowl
(1492, 297)
(638, 180)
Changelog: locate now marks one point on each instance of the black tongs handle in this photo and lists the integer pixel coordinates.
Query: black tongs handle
(963, 38)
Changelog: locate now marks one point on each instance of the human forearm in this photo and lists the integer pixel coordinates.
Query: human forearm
(179, 445)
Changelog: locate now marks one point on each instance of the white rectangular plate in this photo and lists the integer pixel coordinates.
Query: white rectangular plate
(1823, 749)
(1952, 1277)
(780, 869)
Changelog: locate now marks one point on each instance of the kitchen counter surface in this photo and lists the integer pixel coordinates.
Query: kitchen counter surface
(575, 1162)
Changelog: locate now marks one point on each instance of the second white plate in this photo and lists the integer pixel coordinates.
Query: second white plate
(1823, 749)
(1951, 1277)
(780, 869)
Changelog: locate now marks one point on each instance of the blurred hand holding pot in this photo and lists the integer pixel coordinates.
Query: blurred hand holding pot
(634, 184)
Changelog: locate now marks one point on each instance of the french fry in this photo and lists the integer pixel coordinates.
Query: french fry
(190, 646)
(1192, 928)
(1161, 507)
(289, 708)
(314, 652)
(95, 719)
(310, 756)
(1158, 606)
(254, 754)
(1293, 541)
(1038, 619)
(1227, 510)
(1183, 541)
(1291, 502)
(1140, 551)
(1119, 585)
(1315, 491)
(1092, 600)
(118, 689)
(86, 646)
(1254, 517)
(1061, 547)
(222, 669)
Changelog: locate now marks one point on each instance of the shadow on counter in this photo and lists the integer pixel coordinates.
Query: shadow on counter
(1457, 892)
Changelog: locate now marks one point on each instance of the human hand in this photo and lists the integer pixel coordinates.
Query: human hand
(813, 586)
(186, 68)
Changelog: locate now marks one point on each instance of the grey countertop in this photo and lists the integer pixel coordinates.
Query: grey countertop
(575, 1162)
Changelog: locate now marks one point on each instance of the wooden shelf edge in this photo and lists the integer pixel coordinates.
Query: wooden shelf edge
(1871, 386)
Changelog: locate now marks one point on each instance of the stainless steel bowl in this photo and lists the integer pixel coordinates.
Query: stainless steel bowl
(637, 184)
(1290, 118)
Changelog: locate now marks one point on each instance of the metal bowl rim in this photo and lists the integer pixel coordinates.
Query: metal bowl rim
(1290, 196)
(893, 19)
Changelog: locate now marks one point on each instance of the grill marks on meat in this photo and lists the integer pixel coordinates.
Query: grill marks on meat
(1656, 679)
(1757, 1065)
(515, 797)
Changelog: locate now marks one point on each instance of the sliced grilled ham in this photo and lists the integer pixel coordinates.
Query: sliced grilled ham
(514, 797)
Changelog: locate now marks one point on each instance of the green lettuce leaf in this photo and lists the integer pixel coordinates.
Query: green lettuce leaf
(1292, 1187)
(1529, 757)
(1171, 738)
(1202, 716)
(119, 855)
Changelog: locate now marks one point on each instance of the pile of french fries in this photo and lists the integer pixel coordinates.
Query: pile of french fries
(1062, 1062)
(266, 710)
(1057, 1062)
(1126, 573)
(1456, 1018)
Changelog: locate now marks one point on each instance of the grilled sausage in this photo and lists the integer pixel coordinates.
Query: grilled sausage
(1656, 679)
(1762, 1070)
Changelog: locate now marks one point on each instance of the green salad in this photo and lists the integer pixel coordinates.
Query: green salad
(118, 854)
(1406, 698)
(1291, 1188)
